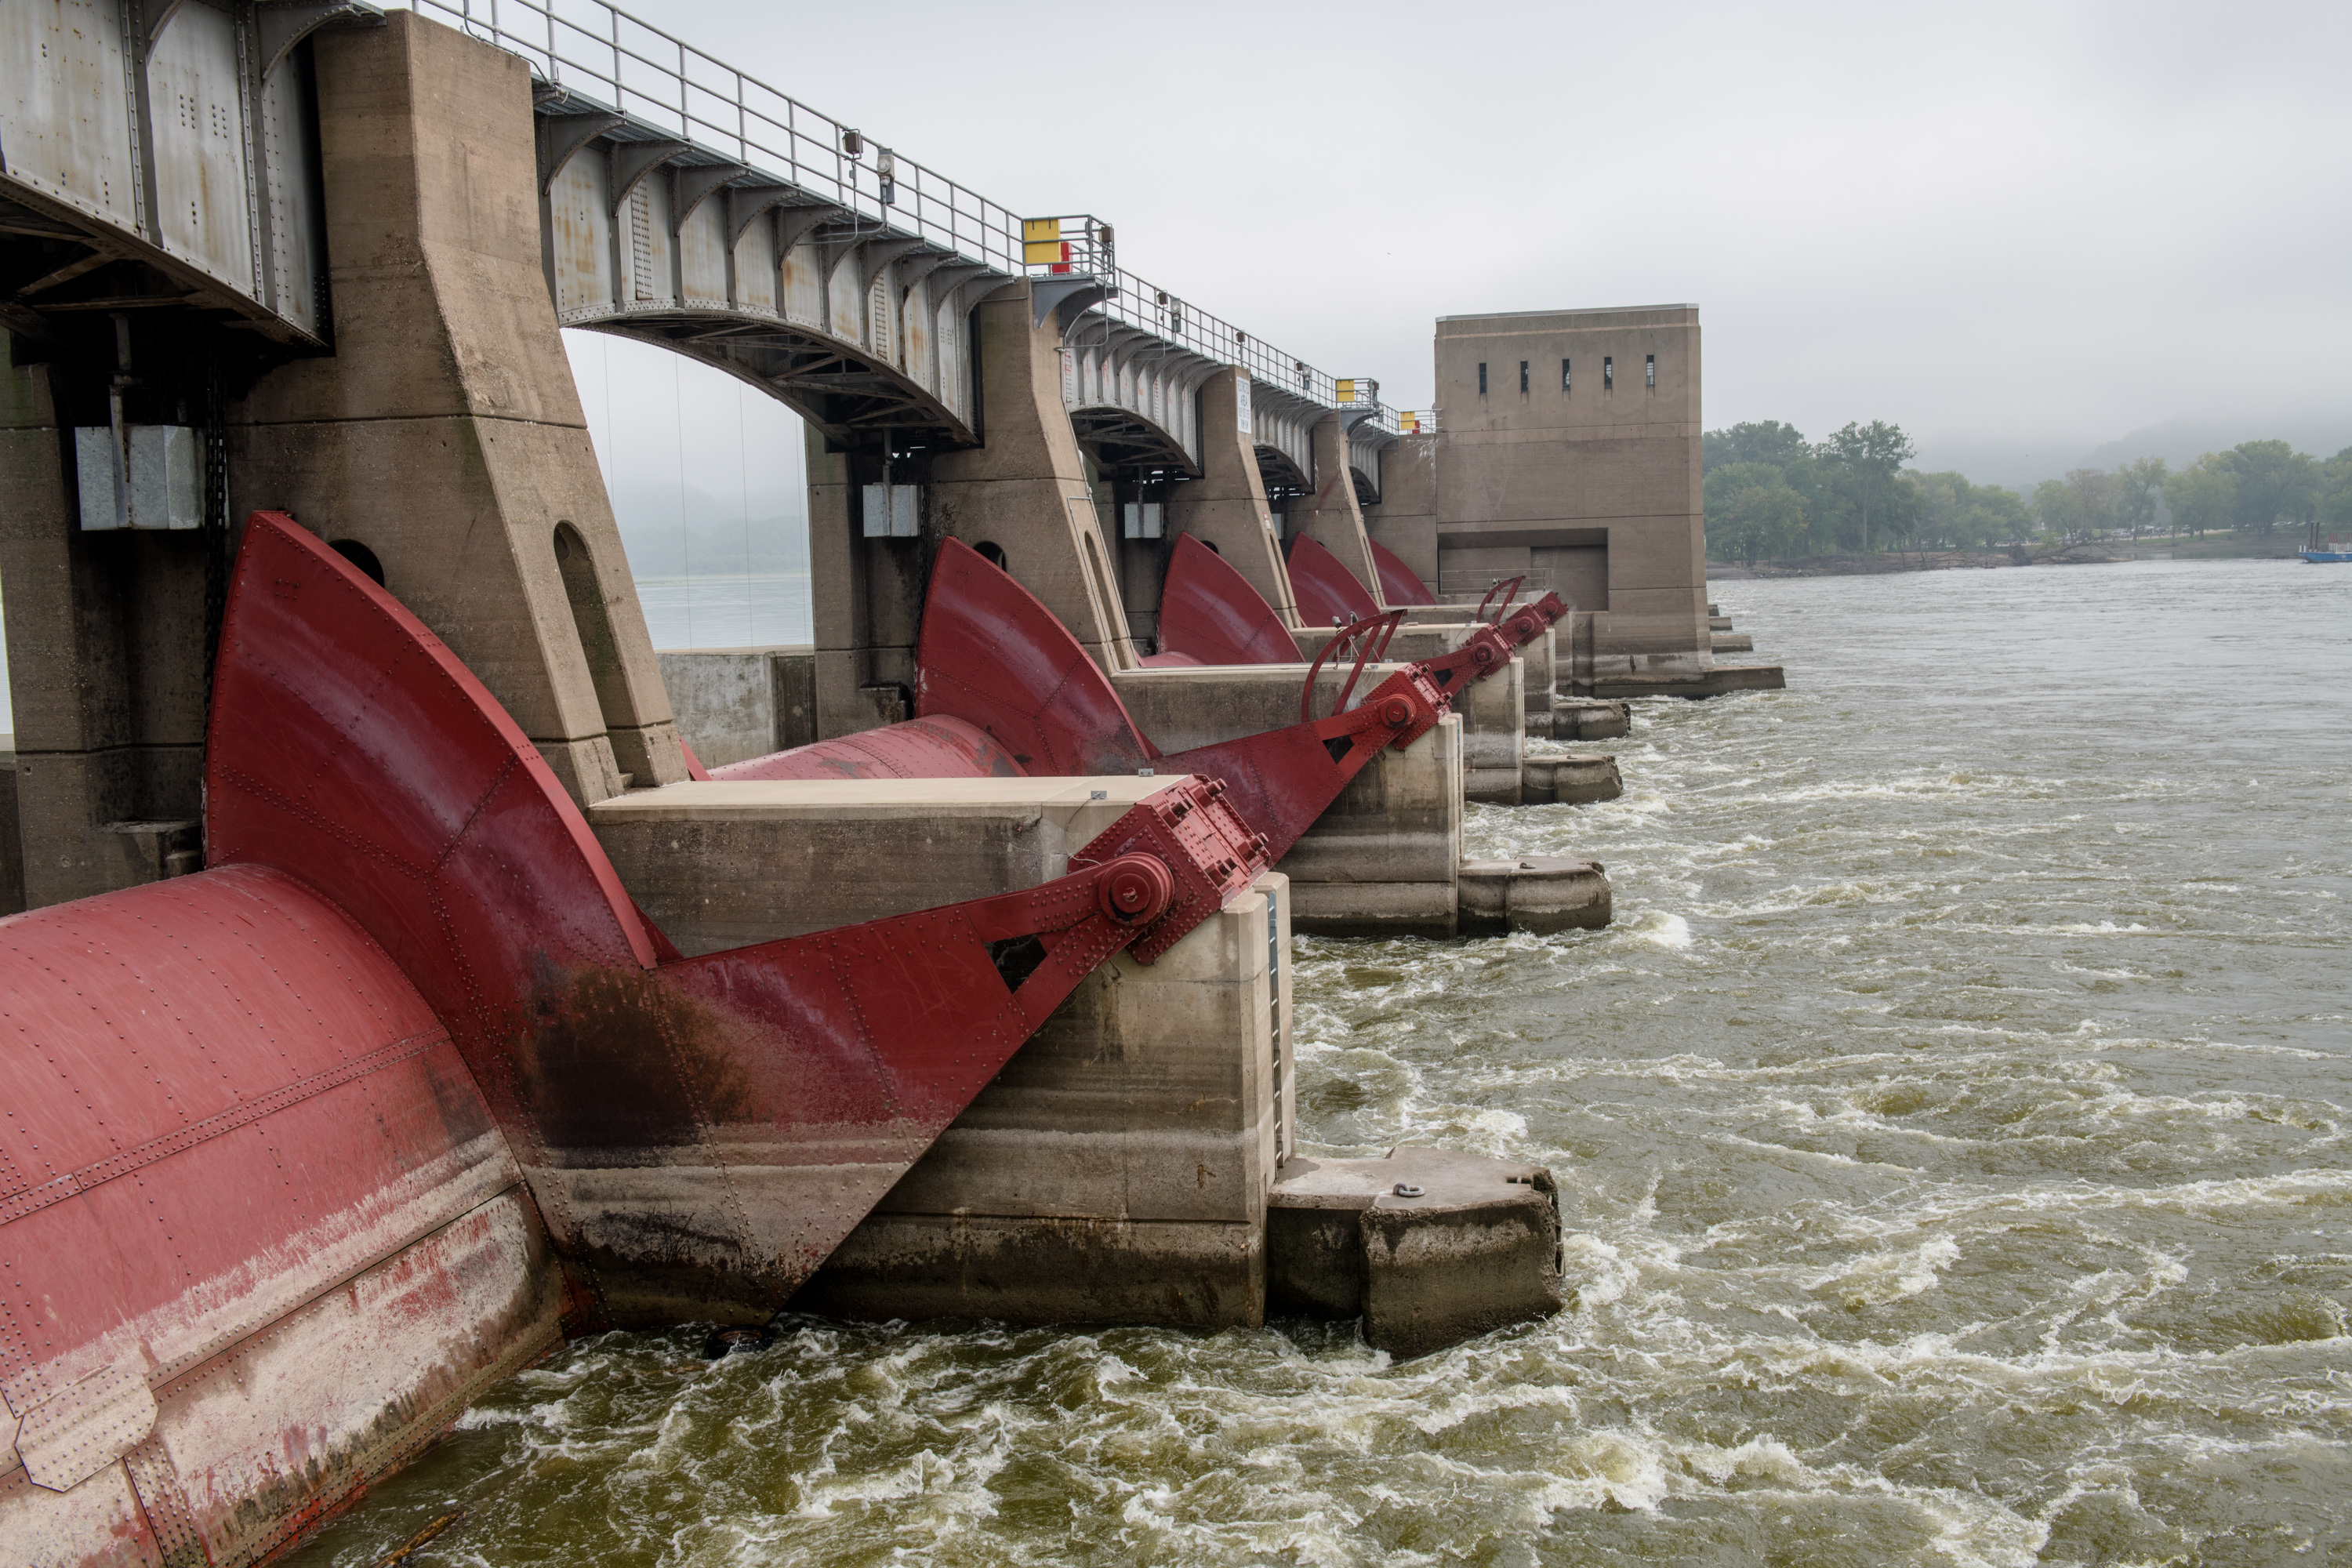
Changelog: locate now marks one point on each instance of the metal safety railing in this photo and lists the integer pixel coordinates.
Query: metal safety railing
(597, 52)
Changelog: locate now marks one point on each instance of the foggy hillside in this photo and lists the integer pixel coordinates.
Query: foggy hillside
(717, 539)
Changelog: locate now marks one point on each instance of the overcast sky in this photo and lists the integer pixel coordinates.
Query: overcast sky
(2012, 229)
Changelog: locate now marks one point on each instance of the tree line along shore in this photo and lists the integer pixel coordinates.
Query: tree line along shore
(1852, 503)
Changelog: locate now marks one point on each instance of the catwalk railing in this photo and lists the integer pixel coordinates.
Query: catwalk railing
(597, 52)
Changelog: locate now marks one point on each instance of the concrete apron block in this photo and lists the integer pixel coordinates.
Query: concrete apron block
(1540, 895)
(1569, 781)
(1429, 1247)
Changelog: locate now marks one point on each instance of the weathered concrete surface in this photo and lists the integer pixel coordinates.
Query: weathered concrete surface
(1716, 681)
(1577, 779)
(1589, 719)
(1226, 506)
(1406, 519)
(1025, 491)
(725, 863)
(445, 433)
(1493, 728)
(106, 656)
(1380, 861)
(1539, 894)
(1331, 516)
(12, 850)
(1494, 735)
(1733, 642)
(1476, 1249)
(735, 703)
(1117, 1169)
(1595, 487)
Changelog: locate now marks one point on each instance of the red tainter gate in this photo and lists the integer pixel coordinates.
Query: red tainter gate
(1209, 613)
(299, 1152)
(999, 683)
(1400, 583)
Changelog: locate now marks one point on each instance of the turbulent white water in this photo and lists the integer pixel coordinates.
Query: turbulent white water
(1952, 1126)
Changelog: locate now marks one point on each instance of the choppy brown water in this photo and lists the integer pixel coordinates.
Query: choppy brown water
(1953, 1125)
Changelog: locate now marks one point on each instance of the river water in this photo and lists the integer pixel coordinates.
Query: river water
(1952, 1126)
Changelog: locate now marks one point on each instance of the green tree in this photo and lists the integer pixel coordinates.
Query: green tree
(1870, 455)
(2334, 507)
(2058, 508)
(2203, 496)
(1901, 510)
(1957, 515)
(1996, 513)
(2274, 482)
(2094, 500)
(1942, 507)
(1752, 514)
(1764, 441)
(2138, 486)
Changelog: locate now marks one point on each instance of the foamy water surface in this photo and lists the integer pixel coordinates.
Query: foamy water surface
(1951, 1128)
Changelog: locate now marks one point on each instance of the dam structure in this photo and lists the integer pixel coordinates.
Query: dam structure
(1565, 446)
(411, 969)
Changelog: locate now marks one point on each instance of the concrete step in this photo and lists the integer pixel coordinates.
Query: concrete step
(1429, 1247)
(1569, 781)
(1712, 682)
(1716, 623)
(1733, 642)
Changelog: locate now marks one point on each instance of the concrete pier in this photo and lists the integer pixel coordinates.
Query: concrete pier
(1331, 516)
(1540, 894)
(1118, 1169)
(1427, 1247)
(445, 434)
(1576, 780)
(1227, 506)
(1589, 719)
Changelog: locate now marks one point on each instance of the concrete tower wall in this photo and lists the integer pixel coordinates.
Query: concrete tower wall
(1587, 478)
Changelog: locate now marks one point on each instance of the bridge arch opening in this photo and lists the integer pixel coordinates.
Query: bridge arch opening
(591, 619)
(709, 483)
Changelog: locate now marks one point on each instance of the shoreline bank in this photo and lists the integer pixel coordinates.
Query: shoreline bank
(1855, 565)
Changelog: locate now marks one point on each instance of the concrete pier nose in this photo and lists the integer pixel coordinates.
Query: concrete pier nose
(1590, 718)
(1541, 895)
(1429, 1247)
(1577, 779)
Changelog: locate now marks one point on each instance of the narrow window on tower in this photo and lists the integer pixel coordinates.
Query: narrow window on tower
(1482, 378)
(1523, 375)
(1608, 373)
(1650, 370)
(1563, 376)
